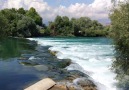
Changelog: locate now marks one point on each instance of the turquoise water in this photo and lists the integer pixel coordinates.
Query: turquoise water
(90, 55)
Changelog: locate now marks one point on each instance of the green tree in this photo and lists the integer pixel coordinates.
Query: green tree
(19, 24)
(75, 27)
(27, 27)
(83, 26)
(3, 25)
(21, 11)
(36, 17)
(120, 28)
(120, 33)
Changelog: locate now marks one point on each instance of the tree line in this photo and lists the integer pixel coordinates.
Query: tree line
(83, 26)
(28, 23)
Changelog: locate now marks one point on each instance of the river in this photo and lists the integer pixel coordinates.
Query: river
(93, 55)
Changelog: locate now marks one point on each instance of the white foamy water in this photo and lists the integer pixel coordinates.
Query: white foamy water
(94, 55)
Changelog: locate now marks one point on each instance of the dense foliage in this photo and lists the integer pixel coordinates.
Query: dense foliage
(28, 23)
(36, 17)
(84, 26)
(21, 23)
(120, 33)
(3, 27)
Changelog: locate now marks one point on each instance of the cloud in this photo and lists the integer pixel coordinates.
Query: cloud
(40, 5)
(99, 9)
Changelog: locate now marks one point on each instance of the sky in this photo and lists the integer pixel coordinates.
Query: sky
(49, 9)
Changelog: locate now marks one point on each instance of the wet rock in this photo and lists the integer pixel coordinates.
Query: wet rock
(23, 58)
(58, 87)
(28, 63)
(85, 83)
(27, 55)
(53, 52)
(73, 74)
(78, 73)
(62, 86)
(75, 66)
(41, 67)
(64, 63)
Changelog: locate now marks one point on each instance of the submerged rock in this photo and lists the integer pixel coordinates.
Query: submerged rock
(28, 63)
(23, 58)
(41, 67)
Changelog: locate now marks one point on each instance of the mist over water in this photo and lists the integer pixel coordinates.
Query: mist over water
(93, 55)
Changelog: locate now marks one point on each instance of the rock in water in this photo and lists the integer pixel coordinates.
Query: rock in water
(41, 67)
(85, 83)
(53, 52)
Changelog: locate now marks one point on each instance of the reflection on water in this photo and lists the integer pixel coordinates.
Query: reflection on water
(23, 62)
(13, 47)
(14, 76)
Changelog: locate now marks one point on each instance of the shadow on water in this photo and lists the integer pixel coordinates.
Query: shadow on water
(121, 67)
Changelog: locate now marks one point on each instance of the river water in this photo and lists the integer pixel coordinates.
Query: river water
(93, 55)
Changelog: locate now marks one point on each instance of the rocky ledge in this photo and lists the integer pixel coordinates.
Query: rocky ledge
(45, 61)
